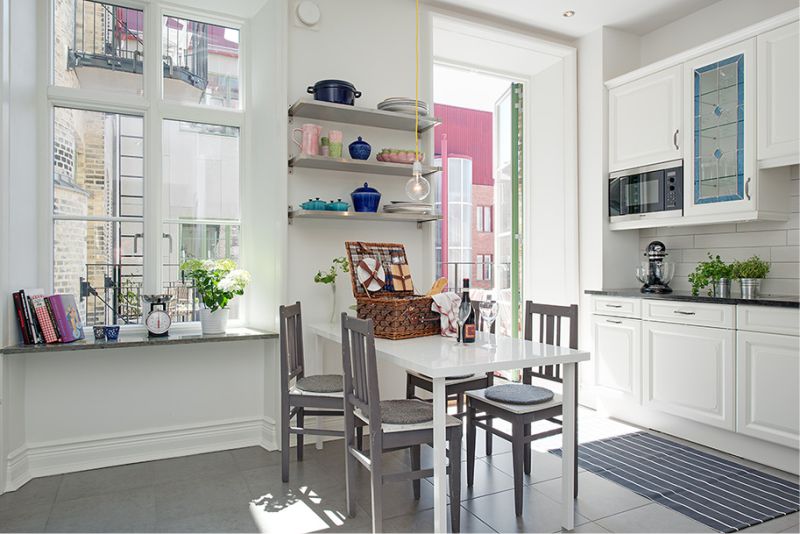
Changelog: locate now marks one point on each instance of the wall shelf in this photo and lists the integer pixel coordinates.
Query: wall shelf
(363, 216)
(327, 111)
(356, 165)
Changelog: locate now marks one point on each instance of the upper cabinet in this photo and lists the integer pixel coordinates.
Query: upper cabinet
(778, 100)
(719, 163)
(645, 120)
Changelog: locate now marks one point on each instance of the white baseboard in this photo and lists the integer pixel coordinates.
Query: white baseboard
(43, 459)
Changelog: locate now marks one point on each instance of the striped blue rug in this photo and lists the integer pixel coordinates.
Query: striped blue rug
(723, 495)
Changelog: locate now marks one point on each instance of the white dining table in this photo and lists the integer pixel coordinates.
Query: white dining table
(440, 357)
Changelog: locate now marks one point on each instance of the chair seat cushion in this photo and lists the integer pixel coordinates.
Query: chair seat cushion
(518, 394)
(321, 384)
(406, 412)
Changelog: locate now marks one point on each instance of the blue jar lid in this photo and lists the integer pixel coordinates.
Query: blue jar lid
(366, 189)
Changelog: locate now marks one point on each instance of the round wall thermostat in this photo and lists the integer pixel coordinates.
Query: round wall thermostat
(308, 12)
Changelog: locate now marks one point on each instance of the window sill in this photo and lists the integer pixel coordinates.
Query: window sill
(131, 338)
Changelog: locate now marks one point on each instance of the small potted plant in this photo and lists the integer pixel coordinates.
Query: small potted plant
(217, 282)
(715, 273)
(750, 272)
(329, 277)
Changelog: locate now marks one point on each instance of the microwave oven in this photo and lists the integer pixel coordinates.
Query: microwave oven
(646, 192)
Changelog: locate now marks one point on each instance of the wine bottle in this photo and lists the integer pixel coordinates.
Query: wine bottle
(468, 328)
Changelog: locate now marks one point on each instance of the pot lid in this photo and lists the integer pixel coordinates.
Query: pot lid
(359, 141)
(366, 189)
(325, 83)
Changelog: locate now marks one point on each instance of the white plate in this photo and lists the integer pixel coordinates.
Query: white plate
(363, 275)
(410, 209)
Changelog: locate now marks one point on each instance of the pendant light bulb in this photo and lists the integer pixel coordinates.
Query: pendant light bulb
(417, 187)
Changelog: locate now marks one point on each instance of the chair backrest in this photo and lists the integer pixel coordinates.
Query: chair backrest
(360, 368)
(291, 338)
(478, 319)
(549, 318)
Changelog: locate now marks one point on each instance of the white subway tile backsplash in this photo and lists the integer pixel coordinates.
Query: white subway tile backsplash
(784, 270)
(793, 237)
(695, 230)
(780, 286)
(741, 239)
(726, 254)
(788, 253)
(671, 242)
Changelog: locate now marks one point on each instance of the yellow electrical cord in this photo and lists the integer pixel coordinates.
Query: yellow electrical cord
(416, 83)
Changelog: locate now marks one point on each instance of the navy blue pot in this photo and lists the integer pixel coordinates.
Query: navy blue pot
(366, 199)
(336, 91)
(359, 149)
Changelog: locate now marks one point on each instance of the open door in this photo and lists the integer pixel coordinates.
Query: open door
(508, 211)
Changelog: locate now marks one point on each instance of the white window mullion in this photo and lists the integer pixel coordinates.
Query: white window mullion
(152, 152)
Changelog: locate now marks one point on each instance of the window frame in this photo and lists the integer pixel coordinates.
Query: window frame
(154, 109)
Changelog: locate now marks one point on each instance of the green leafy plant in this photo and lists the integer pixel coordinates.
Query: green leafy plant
(753, 267)
(216, 281)
(709, 272)
(329, 276)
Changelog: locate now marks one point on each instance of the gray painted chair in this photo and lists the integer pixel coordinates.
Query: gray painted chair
(455, 386)
(319, 395)
(403, 424)
(481, 410)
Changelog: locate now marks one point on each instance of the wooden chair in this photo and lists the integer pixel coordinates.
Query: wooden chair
(455, 386)
(319, 395)
(393, 425)
(521, 416)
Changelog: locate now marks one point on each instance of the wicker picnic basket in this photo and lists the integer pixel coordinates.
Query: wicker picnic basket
(395, 314)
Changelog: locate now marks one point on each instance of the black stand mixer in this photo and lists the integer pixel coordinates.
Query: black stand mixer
(656, 273)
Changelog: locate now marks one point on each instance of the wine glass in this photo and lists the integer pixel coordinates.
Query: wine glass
(489, 309)
(463, 315)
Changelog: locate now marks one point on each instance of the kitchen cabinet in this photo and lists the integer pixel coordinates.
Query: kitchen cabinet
(720, 174)
(688, 371)
(768, 399)
(778, 102)
(645, 118)
(616, 352)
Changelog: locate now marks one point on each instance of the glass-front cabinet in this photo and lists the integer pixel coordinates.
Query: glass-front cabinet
(720, 163)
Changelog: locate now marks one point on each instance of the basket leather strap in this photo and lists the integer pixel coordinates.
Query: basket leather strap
(372, 275)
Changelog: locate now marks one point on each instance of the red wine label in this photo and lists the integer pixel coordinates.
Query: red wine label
(469, 332)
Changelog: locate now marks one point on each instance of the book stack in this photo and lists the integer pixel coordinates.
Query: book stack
(41, 319)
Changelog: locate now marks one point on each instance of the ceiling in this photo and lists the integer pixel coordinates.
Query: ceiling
(634, 16)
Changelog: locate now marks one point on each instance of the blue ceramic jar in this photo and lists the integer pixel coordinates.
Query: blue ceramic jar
(360, 149)
(366, 199)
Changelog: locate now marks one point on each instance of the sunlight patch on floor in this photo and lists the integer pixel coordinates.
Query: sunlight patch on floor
(298, 510)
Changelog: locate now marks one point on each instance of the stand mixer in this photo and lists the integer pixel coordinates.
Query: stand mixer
(656, 273)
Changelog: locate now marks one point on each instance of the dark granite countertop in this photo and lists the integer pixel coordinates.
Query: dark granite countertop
(782, 301)
(141, 340)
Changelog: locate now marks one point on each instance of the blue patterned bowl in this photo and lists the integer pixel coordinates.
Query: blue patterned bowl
(360, 149)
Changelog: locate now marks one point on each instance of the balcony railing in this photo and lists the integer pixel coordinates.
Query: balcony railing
(482, 275)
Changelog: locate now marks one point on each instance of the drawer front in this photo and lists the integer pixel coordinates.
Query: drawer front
(691, 313)
(768, 319)
(617, 306)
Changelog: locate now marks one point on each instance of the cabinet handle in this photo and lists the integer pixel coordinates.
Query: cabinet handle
(747, 188)
(681, 312)
(613, 305)
(613, 322)
(675, 139)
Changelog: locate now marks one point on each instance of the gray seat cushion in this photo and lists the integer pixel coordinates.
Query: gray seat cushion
(321, 383)
(406, 412)
(518, 394)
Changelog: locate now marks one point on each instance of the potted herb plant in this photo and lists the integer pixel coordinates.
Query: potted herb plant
(329, 277)
(715, 273)
(217, 283)
(750, 272)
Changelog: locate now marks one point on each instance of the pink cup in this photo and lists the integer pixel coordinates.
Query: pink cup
(310, 139)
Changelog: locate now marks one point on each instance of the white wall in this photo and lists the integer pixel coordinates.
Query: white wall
(775, 242)
(707, 24)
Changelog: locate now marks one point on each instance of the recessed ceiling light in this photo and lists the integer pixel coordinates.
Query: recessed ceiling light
(569, 13)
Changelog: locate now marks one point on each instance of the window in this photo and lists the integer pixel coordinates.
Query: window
(109, 164)
(483, 218)
(483, 270)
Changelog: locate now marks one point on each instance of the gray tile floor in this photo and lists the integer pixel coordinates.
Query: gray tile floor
(241, 491)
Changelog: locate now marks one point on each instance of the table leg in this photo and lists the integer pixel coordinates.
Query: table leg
(439, 457)
(568, 466)
(318, 348)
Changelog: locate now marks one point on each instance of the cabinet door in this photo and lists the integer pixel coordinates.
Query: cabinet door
(778, 102)
(688, 372)
(720, 167)
(768, 399)
(645, 120)
(617, 357)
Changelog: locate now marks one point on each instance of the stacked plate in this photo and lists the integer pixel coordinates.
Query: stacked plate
(400, 206)
(403, 105)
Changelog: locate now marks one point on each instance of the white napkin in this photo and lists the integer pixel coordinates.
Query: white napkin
(447, 305)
